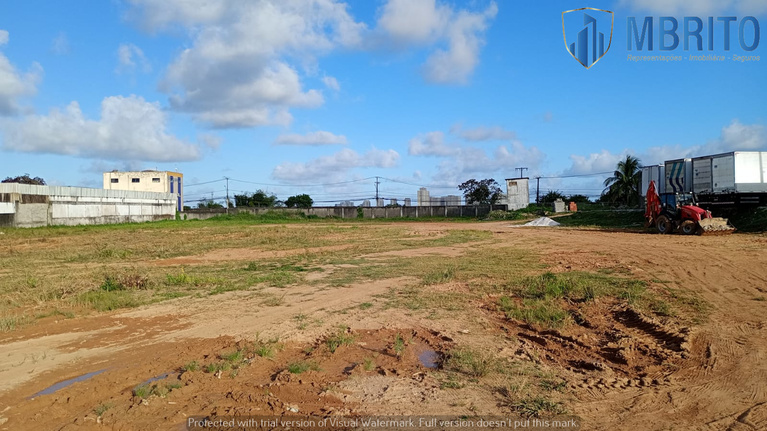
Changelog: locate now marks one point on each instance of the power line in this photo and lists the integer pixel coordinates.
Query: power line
(302, 185)
(576, 175)
(420, 185)
(206, 182)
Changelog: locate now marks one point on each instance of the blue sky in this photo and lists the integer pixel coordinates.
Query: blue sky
(299, 96)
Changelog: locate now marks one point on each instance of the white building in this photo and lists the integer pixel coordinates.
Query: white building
(424, 200)
(148, 181)
(517, 193)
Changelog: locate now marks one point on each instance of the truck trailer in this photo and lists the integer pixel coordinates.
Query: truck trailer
(736, 178)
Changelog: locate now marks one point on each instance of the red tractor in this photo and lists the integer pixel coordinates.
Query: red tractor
(678, 213)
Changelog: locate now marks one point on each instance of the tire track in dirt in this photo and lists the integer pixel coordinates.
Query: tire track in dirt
(724, 373)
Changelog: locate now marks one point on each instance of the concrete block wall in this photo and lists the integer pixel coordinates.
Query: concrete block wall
(23, 205)
(367, 212)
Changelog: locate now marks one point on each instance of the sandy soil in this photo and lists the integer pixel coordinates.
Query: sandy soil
(624, 370)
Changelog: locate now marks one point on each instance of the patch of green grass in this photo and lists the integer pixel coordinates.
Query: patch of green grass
(302, 367)
(662, 308)
(451, 383)
(470, 362)
(180, 279)
(233, 357)
(102, 408)
(142, 391)
(215, 367)
(191, 366)
(340, 338)
(399, 345)
(368, 364)
(160, 391)
(55, 312)
(277, 278)
(621, 219)
(9, 323)
(543, 312)
(102, 300)
(266, 348)
(111, 284)
(536, 406)
(440, 276)
(365, 305)
(553, 385)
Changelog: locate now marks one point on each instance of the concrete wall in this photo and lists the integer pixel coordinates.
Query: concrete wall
(23, 205)
(351, 212)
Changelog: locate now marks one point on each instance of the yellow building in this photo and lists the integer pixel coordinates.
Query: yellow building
(148, 181)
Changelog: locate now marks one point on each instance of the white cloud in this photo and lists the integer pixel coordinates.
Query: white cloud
(483, 133)
(697, 7)
(313, 138)
(13, 84)
(236, 73)
(473, 162)
(210, 140)
(462, 162)
(336, 166)
(331, 83)
(131, 58)
(736, 136)
(431, 144)
(60, 44)
(129, 129)
(425, 23)
(739, 136)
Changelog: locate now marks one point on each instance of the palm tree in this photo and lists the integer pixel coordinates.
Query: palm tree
(623, 186)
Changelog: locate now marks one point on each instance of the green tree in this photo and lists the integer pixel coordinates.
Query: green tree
(622, 188)
(299, 201)
(25, 179)
(209, 204)
(257, 199)
(578, 199)
(552, 195)
(482, 192)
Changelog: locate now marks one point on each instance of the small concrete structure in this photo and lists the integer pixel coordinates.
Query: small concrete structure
(559, 206)
(517, 193)
(23, 205)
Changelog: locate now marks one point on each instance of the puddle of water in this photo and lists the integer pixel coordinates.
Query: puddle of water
(61, 385)
(429, 358)
(154, 379)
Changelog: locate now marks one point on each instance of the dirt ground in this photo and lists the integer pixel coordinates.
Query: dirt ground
(622, 369)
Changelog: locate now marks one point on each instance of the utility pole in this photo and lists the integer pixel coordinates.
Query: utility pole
(538, 190)
(521, 172)
(227, 194)
(377, 183)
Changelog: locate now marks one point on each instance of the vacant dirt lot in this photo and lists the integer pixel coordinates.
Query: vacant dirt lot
(623, 330)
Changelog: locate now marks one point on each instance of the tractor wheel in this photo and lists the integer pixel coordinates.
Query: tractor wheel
(664, 225)
(689, 227)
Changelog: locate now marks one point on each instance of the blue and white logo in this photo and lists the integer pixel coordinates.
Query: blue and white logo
(588, 39)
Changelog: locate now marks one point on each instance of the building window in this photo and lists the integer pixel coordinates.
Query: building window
(115, 180)
(155, 180)
(135, 180)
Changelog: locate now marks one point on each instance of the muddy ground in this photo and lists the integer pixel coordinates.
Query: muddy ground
(615, 368)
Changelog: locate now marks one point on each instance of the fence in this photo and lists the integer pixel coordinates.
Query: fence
(353, 212)
(23, 205)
